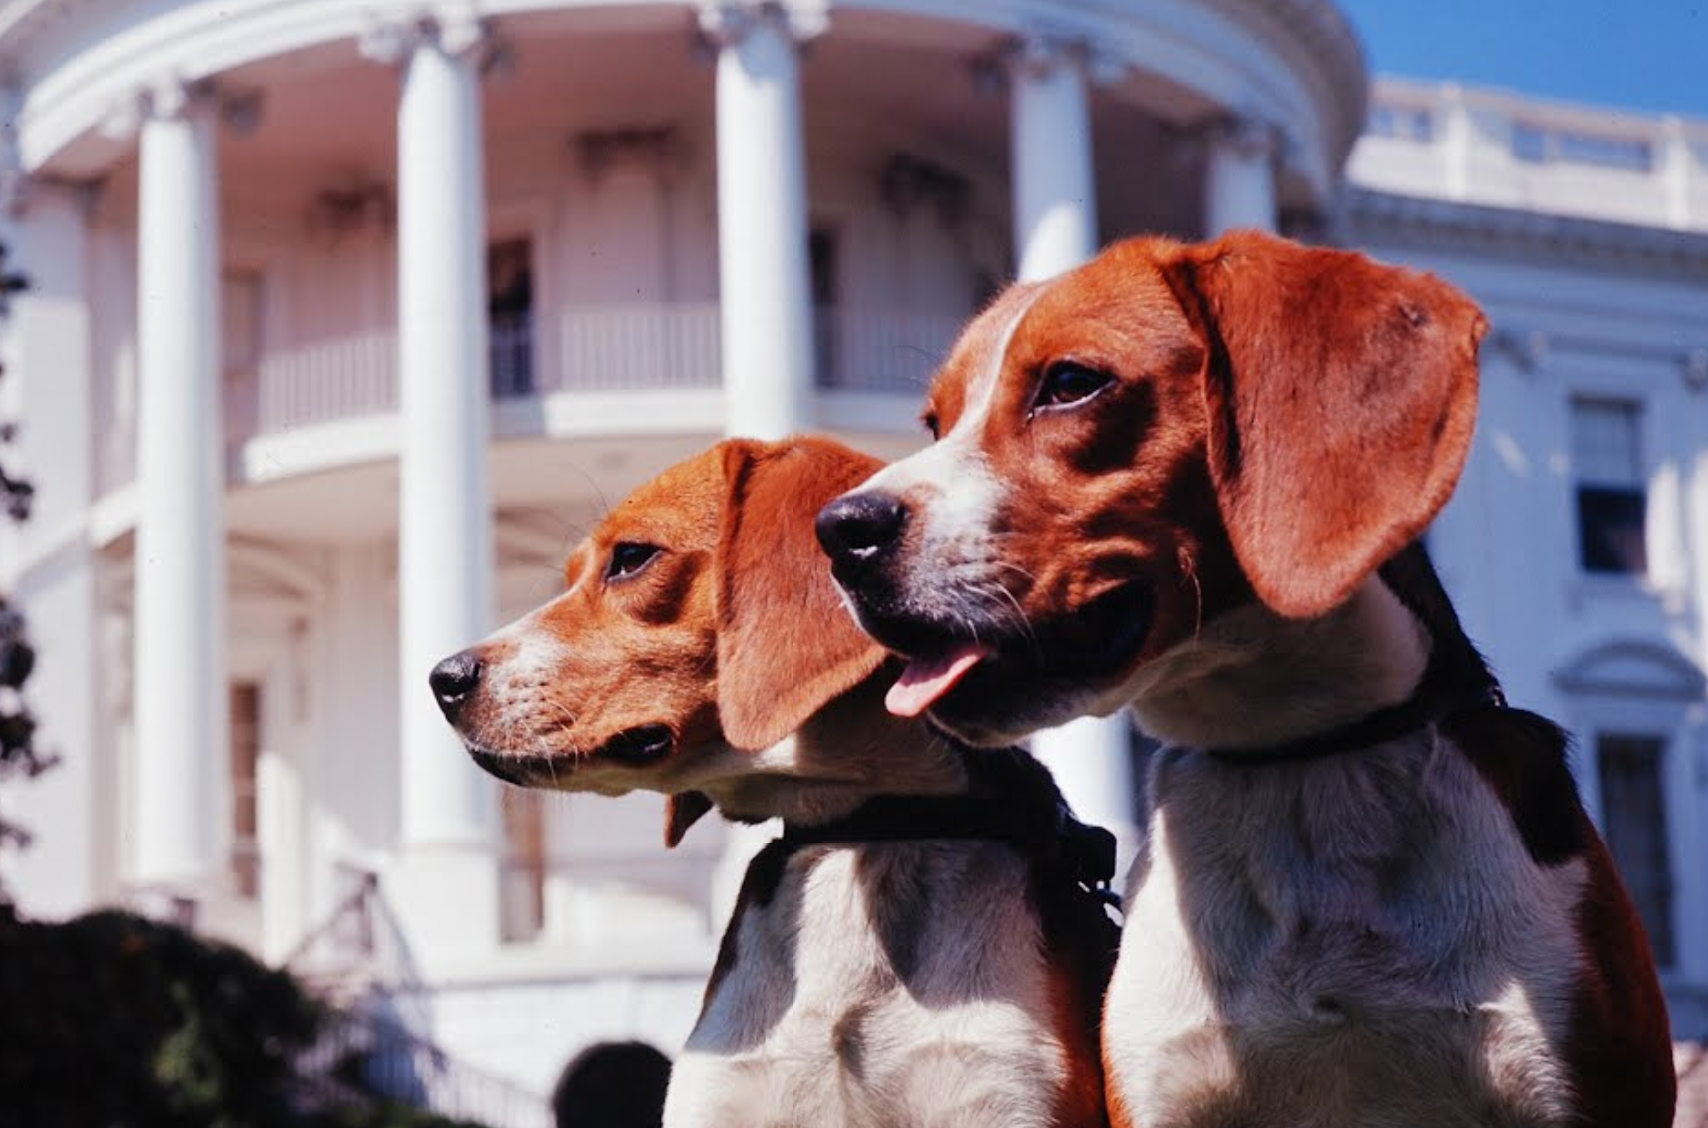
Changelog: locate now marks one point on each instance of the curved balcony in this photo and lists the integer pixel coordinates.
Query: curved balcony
(580, 351)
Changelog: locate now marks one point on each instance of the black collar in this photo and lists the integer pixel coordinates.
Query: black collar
(1011, 799)
(1427, 704)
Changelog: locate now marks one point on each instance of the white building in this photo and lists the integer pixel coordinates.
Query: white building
(348, 318)
(1577, 545)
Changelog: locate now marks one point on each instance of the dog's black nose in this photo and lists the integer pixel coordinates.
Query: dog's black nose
(858, 528)
(453, 680)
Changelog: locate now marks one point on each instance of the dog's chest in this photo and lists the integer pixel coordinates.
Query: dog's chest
(1358, 941)
(881, 986)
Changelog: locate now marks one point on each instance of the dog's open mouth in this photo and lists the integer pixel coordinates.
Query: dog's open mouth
(521, 770)
(1099, 639)
(637, 747)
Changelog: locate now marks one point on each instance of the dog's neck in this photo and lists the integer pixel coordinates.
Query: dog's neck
(1254, 680)
(846, 753)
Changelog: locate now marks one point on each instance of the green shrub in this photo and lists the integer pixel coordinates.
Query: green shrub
(112, 1020)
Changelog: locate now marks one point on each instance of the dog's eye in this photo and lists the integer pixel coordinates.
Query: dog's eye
(933, 425)
(629, 558)
(1067, 382)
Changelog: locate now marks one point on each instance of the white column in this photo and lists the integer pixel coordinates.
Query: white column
(445, 553)
(1050, 159)
(182, 792)
(47, 391)
(445, 540)
(281, 807)
(1055, 229)
(765, 303)
(1239, 176)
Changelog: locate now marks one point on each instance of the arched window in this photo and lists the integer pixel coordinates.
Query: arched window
(1633, 706)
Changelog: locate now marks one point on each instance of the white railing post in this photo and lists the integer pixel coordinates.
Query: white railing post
(1673, 162)
(1455, 142)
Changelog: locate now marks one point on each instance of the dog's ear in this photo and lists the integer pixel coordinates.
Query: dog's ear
(682, 811)
(786, 643)
(1341, 395)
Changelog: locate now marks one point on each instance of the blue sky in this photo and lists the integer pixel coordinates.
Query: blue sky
(1649, 55)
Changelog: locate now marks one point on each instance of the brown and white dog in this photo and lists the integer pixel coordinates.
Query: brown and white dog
(1187, 479)
(924, 945)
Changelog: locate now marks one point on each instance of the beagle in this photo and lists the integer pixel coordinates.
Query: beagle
(925, 944)
(1189, 480)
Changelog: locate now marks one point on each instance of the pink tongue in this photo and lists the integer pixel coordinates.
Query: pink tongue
(926, 680)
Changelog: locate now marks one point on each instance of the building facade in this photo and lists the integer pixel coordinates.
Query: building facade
(348, 319)
(1576, 545)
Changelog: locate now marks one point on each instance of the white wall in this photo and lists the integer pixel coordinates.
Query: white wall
(1507, 544)
(49, 367)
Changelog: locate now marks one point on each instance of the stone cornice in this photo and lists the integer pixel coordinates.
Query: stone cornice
(1248, 135)
(1385, 217)
(1324, 32)
(456, 29)
(70, 59)
(727, 22)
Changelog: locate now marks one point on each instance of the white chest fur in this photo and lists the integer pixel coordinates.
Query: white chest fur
(881, 986)
(1361, 940)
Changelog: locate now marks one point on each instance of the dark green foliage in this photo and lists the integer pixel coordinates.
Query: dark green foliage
(114, 1020)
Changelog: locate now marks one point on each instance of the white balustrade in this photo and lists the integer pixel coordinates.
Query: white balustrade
(1489, 147)
(882, 351)
(327, 380)
(619, 347)
(597, 348)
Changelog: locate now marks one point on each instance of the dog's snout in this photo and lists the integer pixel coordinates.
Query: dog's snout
(454, 680)
(860, 527)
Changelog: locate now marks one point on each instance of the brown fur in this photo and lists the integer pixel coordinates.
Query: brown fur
(786, 645)
(1277, 423)
(732, 637)
(1189, 470)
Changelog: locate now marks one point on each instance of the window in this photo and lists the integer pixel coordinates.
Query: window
(510, 317)
(1634, 819)
(240, 345)
(1529, 142)
(245, 752)
(1632, 154)
(1403, 123)
(240, 317)
(1611, 498)
(822, 269)
(1540, 144)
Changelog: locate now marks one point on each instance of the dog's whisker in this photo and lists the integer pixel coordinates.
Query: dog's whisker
(1189, 570)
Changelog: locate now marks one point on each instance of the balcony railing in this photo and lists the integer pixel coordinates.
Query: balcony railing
(625, 348)
(327, 380)
(583, 349)
(1490, 147)
(869, 351)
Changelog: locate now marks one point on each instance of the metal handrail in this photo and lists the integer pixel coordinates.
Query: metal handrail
(356, 908)
(365, 1053)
